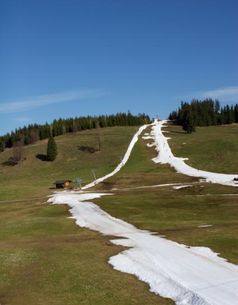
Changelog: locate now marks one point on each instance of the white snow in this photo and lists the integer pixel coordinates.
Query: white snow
(165, 155)
(175, 186)
(204, 226)
(182, 186)
(123, 161)
(188, 275)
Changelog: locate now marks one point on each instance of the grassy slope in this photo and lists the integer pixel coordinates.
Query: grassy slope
(47, 259)
(213, 148)
(176, 213)
(141, 170)
(33, 177)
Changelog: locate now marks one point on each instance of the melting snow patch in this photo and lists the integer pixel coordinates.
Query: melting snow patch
(188, 275)
(150, 144)
(204, 226)
(181, 186)
(147, 137)
(165, 156)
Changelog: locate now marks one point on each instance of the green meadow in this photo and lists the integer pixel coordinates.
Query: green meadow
(212, 148)
(33, 177)
(46, 259)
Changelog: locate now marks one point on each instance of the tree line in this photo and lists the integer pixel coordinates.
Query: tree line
(203, 113)
(34, 132)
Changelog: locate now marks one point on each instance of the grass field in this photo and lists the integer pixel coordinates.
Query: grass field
(46, 259)
(213, 148)
(141, 170)
(177, 214)
(34, 178)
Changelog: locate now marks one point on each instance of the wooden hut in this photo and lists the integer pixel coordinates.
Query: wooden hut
(63, 184)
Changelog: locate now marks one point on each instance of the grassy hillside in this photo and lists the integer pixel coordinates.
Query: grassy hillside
(141, 170)
(33, 177)
(213, 148)
(47, 259)
(177, 214)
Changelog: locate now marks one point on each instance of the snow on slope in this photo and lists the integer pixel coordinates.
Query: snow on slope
(123, 161)
(165, 155)
(188, 275)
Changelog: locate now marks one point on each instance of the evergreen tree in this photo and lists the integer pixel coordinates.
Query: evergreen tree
(236, 113)
(51, 149)
(189, 124)
(173, 115)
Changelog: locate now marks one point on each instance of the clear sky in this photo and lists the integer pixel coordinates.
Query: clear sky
(63, 58)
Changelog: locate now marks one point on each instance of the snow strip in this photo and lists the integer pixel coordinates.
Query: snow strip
(204, 226)
(181, 186)
(175, 186)
(123, 161)
(188, 275)
(165, 155)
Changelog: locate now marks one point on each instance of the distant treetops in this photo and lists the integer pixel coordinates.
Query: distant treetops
(203, 113)
(32, 133)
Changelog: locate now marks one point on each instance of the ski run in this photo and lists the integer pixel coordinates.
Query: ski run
(187, 275)
(165, 156)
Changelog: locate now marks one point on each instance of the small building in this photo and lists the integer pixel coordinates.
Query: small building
(63, 184)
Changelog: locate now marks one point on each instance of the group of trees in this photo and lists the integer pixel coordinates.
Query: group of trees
(34, 132)
(204, 113)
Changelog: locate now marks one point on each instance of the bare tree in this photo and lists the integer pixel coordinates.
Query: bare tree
(34, 136)
(51, 130)
(98, 136)
(75, 129)
(17, 153)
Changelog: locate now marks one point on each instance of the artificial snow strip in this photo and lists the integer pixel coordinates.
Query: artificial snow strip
(123, 161)
(165, 156)
(187, 275)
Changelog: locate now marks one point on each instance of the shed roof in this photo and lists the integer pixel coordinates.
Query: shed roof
(62, 181)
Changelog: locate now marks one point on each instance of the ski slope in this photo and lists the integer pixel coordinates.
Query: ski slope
(165, 156)
(188, 275)
(123, 161)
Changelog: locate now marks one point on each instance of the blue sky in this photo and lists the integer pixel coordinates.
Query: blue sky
(63, 58)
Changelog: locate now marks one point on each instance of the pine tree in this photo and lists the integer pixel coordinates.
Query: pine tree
(236, 113)
(189, 124)
(51, 149)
